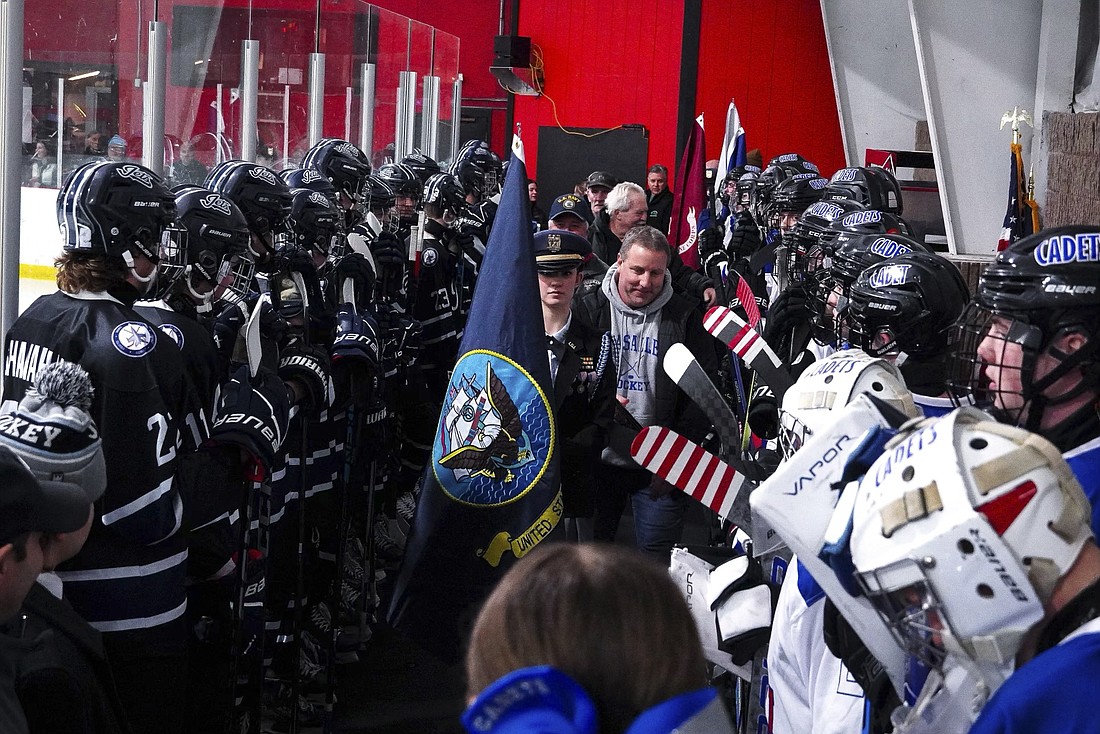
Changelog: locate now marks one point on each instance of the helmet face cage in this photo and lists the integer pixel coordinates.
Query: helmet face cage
(993, 365)
(793, 433)
(827, 299)
(407, 188)
(171, 260)
(913, 612)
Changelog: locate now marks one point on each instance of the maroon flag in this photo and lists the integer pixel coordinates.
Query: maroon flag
(690, 199)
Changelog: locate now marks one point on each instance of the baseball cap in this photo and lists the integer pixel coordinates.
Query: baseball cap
(571, 204)
(26, 506)
(53, 435)
(559, 249)
(600, 178)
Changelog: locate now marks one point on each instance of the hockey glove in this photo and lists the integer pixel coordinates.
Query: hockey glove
(791, 308)
(361, 271)
(408, 341)
(308, 368)
(226, 327)
(743, 603)
(710, 240)
(356, 354)
(253, 414)
(388, 251)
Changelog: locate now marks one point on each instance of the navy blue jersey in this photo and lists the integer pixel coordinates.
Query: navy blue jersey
(130, 575)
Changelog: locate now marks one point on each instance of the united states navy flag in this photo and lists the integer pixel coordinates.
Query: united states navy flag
(491, 491)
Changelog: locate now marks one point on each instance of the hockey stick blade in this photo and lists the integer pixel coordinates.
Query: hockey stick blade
(680, 364)
(253, 342)
(688, 467)
(730, 329)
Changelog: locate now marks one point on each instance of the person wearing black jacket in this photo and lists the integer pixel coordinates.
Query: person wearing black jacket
(584, 391)
(658, 198)
(636, 303)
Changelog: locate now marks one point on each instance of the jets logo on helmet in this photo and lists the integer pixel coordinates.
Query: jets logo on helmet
(825, 210)
(888, 247)
(857, 218)
(845, 174)
(893, 275)
(347, 149)
(320, 199)
(310, 176)
(216, 203)
(138, 174)
(1075, 248)
(263, 174)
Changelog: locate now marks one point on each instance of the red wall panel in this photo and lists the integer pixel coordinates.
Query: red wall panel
(618, 62)
(771, 58)
(607, 64)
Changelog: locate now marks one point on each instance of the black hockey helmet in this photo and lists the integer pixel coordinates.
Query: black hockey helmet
(444, 191)
(113, 209)
(831, 286)
(795, 163)
(792, 196)
(316, 226)
(342, 163)
(746, 186)
(405, 184)
(854, 224)
(1039, 298)
(422, 165)
(215, 241)
(908, 303)
(875, 188)
(805, 253)
(262, 197)
(309, 178)
(470, 177)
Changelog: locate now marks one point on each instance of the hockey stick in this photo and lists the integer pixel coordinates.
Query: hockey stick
(688, 467)
(680, 364)
(730, 329)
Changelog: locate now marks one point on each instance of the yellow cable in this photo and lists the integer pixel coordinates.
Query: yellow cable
(537, 66)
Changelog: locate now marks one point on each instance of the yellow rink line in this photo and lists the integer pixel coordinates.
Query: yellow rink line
(37, 272)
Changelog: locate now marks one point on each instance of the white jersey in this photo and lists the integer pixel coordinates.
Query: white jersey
(811, 690)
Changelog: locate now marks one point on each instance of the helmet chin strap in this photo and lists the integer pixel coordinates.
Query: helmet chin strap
(146, 281)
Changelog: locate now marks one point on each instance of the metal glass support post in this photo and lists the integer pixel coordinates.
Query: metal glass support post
(456, 117)
(152, 128)
(402, 131)
(316, 97)
(250, 98)
(11, 158)
(60, 131)
(429, 118)
(410, 115)
(286, 124)
(349, 96)
(366, 109)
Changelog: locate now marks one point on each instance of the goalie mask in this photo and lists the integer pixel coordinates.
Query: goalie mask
(1028, 342)
(961, 529)
(830, 384)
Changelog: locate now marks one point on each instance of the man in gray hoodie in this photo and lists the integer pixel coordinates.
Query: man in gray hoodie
(637, 304)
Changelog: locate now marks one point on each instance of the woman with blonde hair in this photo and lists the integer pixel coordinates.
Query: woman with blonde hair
(588, 638)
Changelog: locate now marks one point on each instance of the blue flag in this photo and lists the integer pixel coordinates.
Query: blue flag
(491, 490)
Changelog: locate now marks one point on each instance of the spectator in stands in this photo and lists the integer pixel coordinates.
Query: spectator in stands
(658, 198)
(43, 166)
(93, 143)
(567, 621)
(189, 170)
(636, 303)
(116, 150)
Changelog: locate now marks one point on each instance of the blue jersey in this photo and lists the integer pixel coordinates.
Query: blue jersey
(1085, 463)
(1052, 692)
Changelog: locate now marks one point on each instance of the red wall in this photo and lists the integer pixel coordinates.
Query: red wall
(618, 61)
(771, 58)
(607, 64)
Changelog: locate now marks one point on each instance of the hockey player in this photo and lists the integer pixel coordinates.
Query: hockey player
(128, 581)
(972, 541)
(408, 189)
(903, 309)
(1028, 344)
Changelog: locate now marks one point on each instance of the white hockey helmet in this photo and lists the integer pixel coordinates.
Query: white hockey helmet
(830, 384)
(961, 529)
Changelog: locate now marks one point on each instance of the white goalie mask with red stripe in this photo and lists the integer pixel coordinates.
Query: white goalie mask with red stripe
(960, 531)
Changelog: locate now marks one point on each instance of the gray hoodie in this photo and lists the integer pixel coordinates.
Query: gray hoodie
(636, 351)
